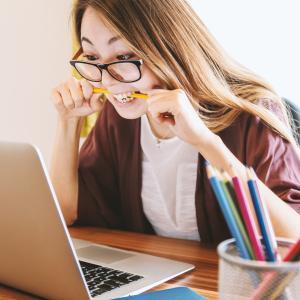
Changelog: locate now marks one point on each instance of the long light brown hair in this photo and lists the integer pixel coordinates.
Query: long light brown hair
(175, 44)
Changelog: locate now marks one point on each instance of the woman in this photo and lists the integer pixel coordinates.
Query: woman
(142, 166)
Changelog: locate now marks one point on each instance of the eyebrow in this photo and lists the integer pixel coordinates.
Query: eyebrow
(112, 40)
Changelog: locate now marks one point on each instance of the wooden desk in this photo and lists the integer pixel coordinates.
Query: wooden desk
(203, 279)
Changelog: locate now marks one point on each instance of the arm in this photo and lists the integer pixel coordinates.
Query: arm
(64, 165)
(73, 100)
(285, 220)
(277, 183)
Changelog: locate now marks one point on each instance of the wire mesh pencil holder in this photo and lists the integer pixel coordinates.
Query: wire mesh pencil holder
(241, 279)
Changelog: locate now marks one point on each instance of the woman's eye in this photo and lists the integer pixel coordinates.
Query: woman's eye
(125, 56)
(90, 57)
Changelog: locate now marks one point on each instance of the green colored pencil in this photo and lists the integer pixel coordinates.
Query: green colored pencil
(224, 183)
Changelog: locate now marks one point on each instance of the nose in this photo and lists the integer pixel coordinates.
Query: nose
(107, 79)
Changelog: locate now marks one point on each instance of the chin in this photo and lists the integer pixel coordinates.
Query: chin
(130, 115)
(131, 110)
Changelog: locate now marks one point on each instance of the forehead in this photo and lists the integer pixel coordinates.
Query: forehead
(94, 25)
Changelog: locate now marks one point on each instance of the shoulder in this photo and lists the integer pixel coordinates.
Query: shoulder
(246, 121)
(249, 136)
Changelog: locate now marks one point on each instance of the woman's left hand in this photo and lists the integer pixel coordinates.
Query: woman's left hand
(185, 123)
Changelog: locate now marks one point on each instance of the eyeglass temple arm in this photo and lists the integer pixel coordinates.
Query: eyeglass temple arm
(78, 53)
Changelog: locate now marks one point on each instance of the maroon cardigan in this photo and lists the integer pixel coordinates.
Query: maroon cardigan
(110, 173)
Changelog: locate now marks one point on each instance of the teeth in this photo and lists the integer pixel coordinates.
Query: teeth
(124, 97)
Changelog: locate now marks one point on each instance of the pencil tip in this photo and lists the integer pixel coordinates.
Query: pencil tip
(249, 173)
(210, 170)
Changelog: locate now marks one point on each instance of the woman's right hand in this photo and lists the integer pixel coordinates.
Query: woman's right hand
(75, 99)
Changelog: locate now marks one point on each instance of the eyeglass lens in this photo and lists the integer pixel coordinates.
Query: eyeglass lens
(126, 72)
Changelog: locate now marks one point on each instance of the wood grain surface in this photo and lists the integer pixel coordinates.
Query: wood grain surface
(203, 279)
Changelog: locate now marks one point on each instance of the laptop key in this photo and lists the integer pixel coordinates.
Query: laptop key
(104, 269)
(98, 292)
(135, 277)
(114, 272)
(92, 284)
(102, 279)
(119, 280)
(87, 265)
(125, 275)
(107, 287)
(111, 282)
(88, 277)
(95, 294)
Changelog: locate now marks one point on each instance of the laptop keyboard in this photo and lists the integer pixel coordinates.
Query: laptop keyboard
(102, 279)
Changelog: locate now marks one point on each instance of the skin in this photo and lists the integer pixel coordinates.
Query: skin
(105, 52)
(75, 99)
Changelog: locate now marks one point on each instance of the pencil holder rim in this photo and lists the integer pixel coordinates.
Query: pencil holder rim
(255, 264)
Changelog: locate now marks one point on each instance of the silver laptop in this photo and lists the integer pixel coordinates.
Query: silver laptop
(37, 254)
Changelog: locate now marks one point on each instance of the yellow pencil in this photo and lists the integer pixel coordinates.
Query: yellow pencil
(101, 91)
(133, 95)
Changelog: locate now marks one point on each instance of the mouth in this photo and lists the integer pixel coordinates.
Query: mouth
(123, 97)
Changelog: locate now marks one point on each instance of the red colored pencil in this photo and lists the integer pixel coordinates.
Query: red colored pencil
(293, 253)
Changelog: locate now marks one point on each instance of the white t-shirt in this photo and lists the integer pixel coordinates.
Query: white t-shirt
(168, 184)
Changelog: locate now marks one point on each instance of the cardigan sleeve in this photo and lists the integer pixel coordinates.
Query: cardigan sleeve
(275, 161)
(98, 196)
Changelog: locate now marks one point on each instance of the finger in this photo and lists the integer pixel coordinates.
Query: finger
(152, 92)
(96, 102)
(58, 102)
(157, 108)
(167, 118)
(67, 98)
(161, 103)
(158, 95)
(76, 92)
(87, 89)
(163, 109)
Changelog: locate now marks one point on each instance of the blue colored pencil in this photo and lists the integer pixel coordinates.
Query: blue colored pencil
(229, 218)
(263, 218)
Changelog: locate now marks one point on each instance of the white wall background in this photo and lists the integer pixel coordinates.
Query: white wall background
(34, 52)
(35, 48)
(263, 35)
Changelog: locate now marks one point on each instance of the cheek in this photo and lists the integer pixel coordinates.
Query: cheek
(148, 81)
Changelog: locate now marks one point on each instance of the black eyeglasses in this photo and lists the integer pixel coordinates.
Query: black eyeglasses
(124, 71)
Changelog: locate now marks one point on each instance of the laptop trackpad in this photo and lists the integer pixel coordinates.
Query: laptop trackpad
(100, 254)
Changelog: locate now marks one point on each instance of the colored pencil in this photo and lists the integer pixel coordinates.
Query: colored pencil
(227, 188)
(273, 278)
(231, 222)
(263, 218)
(248, 218)
(293, 253)
(278, 292)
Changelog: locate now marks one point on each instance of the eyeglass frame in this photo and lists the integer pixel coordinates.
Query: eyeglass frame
(102, 67)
